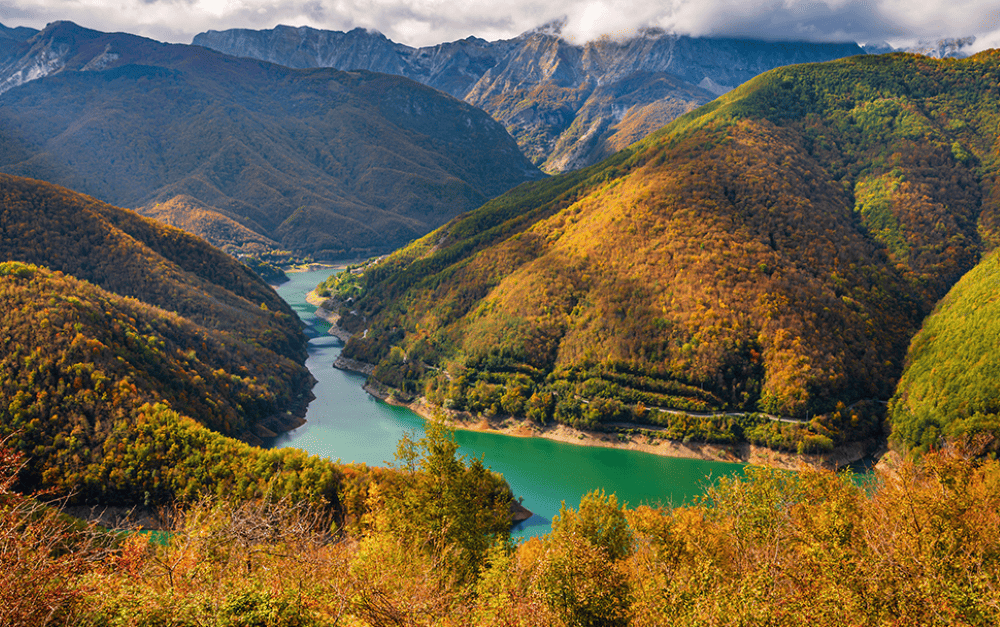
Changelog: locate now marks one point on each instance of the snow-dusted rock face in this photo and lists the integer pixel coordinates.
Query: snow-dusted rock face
(43, 60)
(101, 61)
(307, 47)
(947, 48)
(450, 67)
(568, 105)
(27, 55)
(952, 48)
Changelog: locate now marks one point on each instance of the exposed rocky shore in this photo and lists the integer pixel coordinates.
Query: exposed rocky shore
(327, 309)
(637, 438)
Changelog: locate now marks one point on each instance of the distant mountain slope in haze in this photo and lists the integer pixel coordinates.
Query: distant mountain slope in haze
(946, 48)
(20, 33)
(322, 162)
(131, 348)
(772, 251)
(567, 105)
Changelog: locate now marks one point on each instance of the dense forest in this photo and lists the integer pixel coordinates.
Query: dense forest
(133, 256)
(770, 254)
(101, 391)
(951, 387)
(131, 349)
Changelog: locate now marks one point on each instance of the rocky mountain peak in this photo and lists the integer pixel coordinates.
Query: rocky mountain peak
(66, 45)
(552, 28)
(568, 105)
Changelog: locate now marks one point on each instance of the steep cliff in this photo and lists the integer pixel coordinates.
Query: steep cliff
(567, 105)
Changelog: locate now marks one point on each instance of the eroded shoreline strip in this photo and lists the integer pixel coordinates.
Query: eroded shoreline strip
(635, 438)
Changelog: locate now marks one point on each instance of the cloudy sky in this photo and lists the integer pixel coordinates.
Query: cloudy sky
(426, 22)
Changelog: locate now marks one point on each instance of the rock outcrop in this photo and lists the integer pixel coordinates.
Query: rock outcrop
(567, 105)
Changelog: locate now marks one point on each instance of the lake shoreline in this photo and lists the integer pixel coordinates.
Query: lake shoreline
(743, 453)
(333, 318)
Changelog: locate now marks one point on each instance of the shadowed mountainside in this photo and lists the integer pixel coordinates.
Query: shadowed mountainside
(567, 105)
(321, 162)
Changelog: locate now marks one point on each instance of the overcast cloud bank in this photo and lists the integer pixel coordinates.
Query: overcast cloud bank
(428, 22)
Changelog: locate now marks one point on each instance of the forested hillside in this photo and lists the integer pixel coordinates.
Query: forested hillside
(248, 154)
(773, 251)
(134, 256)
(132, 352)
(950, 390)
(111, 398)
(920, 547)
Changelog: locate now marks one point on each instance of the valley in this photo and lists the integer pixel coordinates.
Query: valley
(344, 422)
(786, 267)
(856, 193)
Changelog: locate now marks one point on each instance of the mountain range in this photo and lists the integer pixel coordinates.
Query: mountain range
(253, 156)
(763, 269)
(772, 253)
(858, 193)
(567, 105)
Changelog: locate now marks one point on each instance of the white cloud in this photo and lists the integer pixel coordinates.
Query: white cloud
(426, 22)
(985, 42)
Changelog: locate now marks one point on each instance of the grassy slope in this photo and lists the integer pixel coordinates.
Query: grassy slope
(951, 386)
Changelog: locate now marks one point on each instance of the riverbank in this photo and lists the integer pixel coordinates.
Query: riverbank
(311, 267)
(635, 438)
(325, 310)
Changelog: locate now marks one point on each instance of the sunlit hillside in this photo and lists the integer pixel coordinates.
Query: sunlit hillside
(951, 387)
(773, 251)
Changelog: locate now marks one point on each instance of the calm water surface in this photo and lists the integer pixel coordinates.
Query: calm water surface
(345, 423)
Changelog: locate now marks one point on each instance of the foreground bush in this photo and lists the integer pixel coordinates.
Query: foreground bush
(920, 545)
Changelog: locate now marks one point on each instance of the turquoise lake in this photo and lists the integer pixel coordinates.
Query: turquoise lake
(345, 423)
